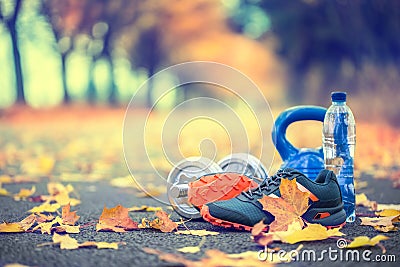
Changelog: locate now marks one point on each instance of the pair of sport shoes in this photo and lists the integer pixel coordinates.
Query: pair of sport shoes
(231, 199)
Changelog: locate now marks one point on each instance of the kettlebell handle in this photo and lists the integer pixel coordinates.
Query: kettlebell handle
(298, 113)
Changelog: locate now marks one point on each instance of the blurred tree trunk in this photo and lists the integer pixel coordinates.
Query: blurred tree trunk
(12, 27)
(67, 98)
(91, 92)
(107, 54)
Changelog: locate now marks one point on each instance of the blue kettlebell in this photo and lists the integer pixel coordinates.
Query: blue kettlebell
(309, 161)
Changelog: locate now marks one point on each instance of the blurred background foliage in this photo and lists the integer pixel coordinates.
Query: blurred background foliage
(99, 51)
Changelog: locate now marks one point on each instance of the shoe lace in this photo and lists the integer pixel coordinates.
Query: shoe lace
(266, 183)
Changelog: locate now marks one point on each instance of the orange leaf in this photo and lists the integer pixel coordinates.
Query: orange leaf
(40, 217)
(288, 208)
(69, 217)
(114, 218)
(166, 224)
(258, 228)
(28, 222)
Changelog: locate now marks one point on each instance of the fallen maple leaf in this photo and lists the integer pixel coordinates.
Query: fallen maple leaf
(40, 217)
(361, 241)
(45, 207)
(11, 228)
(296, 233)
(45, 227)
(56, 188)
(63, 199)
(64, 228)
(24, 193)
(28, 222)
(65, 241)
(258, 228)
(362, 200)
(288, 208)
(5, 179)
(388, 207)
(388, 213)
(382, 224)
(3, 191)
(383, 221)
(15, 265)
(69, 217)
(196, 232)
(116, 219)
(311, 232)
(165, 224)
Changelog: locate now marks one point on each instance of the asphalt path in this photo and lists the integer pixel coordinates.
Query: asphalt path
(23, 247)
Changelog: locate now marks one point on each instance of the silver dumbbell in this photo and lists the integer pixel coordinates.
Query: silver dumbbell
(190, 169)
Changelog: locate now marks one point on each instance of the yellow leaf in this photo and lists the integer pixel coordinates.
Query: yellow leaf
(11, 228)
(113, 245)
(45, 207)
(46, 226)
(15, 265)
(63, 199)
(388, 213)
(386, 229)
(70, 229)
(189, 249)
(24, 193)
(196, 232)
(388, 206)
(3, 191)
(55, 188)
(310, 233)
(65, 241)
(287, 208)
(361, 241)
(5, 179)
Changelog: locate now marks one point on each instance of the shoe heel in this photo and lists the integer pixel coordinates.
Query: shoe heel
(335, 220)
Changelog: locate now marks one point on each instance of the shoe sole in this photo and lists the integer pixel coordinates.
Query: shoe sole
(205, 213)
(219, 186)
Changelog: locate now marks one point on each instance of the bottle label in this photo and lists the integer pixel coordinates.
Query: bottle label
(340, 136)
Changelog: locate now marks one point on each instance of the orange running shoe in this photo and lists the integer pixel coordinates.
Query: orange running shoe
(219, 186)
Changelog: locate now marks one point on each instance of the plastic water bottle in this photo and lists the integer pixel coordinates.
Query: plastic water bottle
(339, 138)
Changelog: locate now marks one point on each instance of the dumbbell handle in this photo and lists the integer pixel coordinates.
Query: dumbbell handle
(179, 190)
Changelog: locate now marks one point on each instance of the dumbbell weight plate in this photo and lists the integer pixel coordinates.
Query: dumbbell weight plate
(187, 170)
(243, 163)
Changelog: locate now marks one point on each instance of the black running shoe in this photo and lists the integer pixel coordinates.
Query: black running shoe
(245, 210)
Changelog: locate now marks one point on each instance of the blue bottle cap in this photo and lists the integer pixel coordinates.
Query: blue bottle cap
(338, 96)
